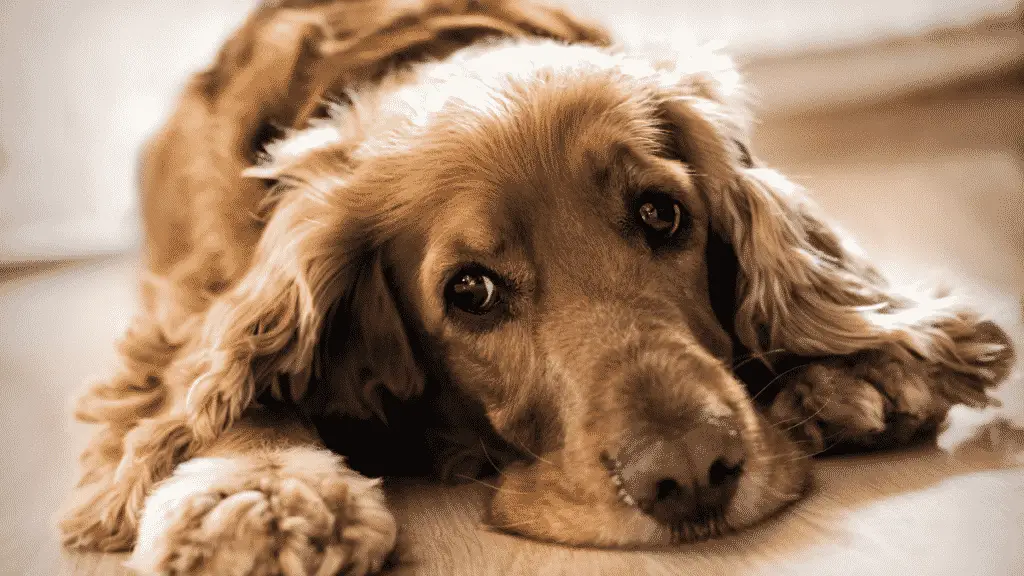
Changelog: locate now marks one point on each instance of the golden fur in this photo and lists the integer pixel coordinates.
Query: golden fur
(303, 284)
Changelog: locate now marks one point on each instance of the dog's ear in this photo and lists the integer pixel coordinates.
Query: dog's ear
(801, 286)
(364, 351)
(267, 326)
(314, 306)
(798, 287)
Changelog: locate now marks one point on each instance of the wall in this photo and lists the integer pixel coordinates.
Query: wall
(81, 85)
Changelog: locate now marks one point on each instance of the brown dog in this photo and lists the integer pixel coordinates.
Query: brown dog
(496, 211)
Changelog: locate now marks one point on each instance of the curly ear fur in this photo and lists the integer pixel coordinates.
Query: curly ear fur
(807, 290)
(803, 287)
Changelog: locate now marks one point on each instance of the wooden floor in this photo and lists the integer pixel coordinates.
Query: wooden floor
(932, 186)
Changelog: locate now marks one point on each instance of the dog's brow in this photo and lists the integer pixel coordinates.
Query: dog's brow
(603, 165)
(469, 249)
(613, 169)
(597, 167)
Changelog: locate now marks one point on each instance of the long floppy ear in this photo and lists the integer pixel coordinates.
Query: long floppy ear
(364, 351)
(266, 328)
(247, 318)
(802, 286)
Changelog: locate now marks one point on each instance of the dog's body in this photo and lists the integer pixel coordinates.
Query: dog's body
(567, 250)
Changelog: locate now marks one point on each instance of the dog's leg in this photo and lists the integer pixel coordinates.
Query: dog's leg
(267, 498)
(889, 396)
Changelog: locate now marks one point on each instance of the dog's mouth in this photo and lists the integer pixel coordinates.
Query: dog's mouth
(683, 529)
(614, 467)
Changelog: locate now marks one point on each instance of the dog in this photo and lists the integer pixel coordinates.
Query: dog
(541, 243)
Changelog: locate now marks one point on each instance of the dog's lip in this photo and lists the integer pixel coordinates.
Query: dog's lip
(614, 468)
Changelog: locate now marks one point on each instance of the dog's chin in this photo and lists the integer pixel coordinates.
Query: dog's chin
(581, 505)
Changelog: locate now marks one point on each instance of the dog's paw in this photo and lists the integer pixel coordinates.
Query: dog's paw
(863, 400)
(293, 512)
(875, 398)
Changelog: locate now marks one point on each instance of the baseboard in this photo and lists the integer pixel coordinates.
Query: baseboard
(83, 237)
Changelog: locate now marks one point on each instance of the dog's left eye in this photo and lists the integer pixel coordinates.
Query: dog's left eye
(661, 217)
(473, 291)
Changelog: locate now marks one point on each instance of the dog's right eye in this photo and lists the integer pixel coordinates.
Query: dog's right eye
(662, 219)
(474, 291)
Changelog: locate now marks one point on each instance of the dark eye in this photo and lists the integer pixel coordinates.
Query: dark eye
(661, 218)
(473, 291)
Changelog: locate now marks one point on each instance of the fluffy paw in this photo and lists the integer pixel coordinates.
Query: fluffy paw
(856, 401)
(878, 399)
(293, 512)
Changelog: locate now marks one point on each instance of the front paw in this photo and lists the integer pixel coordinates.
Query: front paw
(879, 398)
(863, 400)
(291, 512)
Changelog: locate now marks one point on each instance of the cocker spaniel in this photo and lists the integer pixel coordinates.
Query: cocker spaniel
(545, 246)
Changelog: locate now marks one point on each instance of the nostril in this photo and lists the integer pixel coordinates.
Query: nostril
(667, 489)
(721, 472)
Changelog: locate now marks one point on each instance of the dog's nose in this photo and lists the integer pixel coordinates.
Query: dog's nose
(691, 477)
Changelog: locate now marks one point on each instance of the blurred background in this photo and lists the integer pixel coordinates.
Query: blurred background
(83, 83)
(905, 118)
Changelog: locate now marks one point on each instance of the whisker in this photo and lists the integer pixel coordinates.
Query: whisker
(530, 453)
(784, 421)
(838, 434)
(816, 412)
(491, 486)
(751, 356)
(825, 446)
(773, 380)
(488, 456)
(528, 522)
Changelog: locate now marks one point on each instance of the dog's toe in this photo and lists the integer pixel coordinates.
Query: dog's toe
(868, 401)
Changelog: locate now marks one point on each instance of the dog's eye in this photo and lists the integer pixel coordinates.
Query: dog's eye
(473, 291)
(661, 217)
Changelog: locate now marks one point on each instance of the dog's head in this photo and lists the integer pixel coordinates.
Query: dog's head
(577, 241)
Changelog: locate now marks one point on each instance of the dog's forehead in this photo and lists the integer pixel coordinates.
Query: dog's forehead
(515, 160)
(536, 128)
